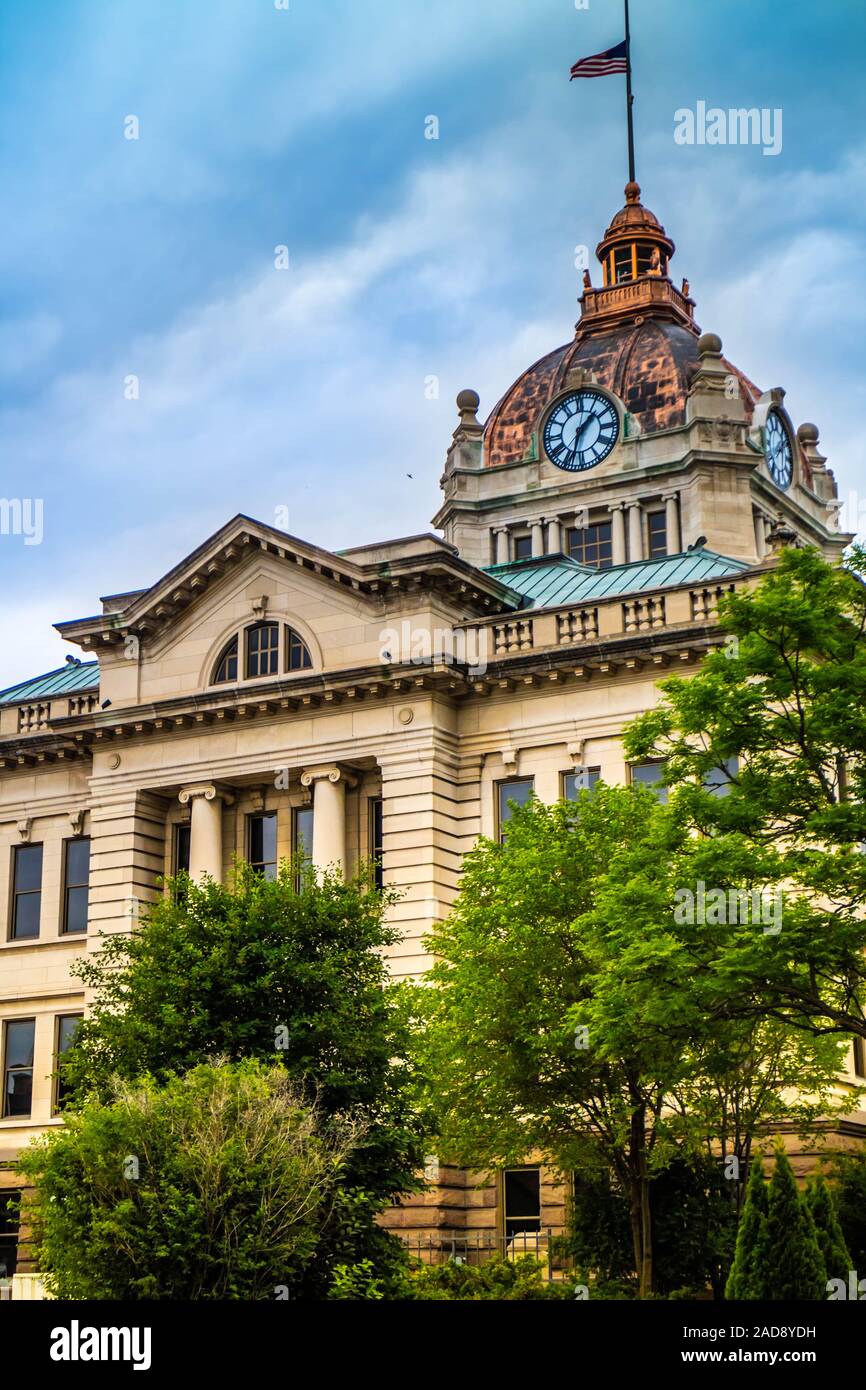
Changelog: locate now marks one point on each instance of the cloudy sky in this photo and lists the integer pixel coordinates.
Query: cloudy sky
(309, 388)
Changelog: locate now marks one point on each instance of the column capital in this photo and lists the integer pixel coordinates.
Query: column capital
(618, 506)
(208, 791)
(327, 772)
(499, 530)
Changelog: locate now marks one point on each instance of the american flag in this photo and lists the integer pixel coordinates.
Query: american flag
(603, 64)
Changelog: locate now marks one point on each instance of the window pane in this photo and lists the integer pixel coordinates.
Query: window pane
(519, 790)
(19, 1094)
(376, 840)
(576, 782)
(76, 909)
(522, 1200)
(26, 919)
(263, 843)
(20, 1033)
(649, 775)
(263, 645)
(181, 849)
(28, 868)
(523, 548)
(592, 546)
(8, 1234)
(67, 1027)
(77, 862)
(658, 534)
(303, 844)
(227, 670)
(298, 656)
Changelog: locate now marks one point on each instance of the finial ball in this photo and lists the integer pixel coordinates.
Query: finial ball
(632, 192)
(709, 342)
(808, 433)
(468, 400)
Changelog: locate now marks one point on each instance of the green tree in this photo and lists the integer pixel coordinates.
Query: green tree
(277, 972)
(821, 1204)
(849, 1174)
(781, 708)
(745, 1280)
(567, 1016)
(789, 1265)
(215, 1185)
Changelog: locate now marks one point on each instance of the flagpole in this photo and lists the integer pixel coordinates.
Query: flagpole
(629, 99)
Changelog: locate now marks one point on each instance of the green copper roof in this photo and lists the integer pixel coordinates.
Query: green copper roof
(73, 676)
(552, 580)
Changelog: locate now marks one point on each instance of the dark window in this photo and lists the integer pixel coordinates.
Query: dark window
(376, 839)
(76, 878)
(26, 891)
(522, 1194)
(573, 783)
(9, 1207)
(67, 1026)
(227, 666)
(297, 656)
(302, 840)
(645, 255)
(859, 1056)
(182, 841)
(263, 650)
(592, 546)
(650, 775)
(523, 547)
(718, 779)
(18, 1067)
(658, 534)
(622, 265)
(263, 843)
(517, 790)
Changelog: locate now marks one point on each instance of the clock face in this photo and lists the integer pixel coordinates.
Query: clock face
(581, 430)
(778, 450)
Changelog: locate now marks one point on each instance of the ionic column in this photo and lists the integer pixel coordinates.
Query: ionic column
(538, 537)
(672, 523)
(760, 535)
(554, 536)
(501, 534)
(328, 784)
(617, 533)
(635, 532)
(205, 801)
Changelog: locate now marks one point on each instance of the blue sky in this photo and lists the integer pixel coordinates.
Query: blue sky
(408, 258)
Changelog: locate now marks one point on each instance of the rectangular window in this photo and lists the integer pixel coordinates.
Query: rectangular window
(26, 891)
(521, 1202)
(650, 775)
(263, 650)
(76, 880)
(182, 842)
(18, 1067)
(9, 1207)
(376, 839)
(859, 1056)
(591, 546)
(584, 779)
(623, 267)
(262, 843)
(517, 790)
(658, 534)
(523, 547)
(302, 840)
(67, 1025)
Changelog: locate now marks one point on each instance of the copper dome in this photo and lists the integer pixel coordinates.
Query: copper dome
(637, 336)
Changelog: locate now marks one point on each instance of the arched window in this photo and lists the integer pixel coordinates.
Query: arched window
(227, 666)
(263, 650)
(297, 655)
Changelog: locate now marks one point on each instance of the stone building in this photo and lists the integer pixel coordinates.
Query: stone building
(267, 696)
